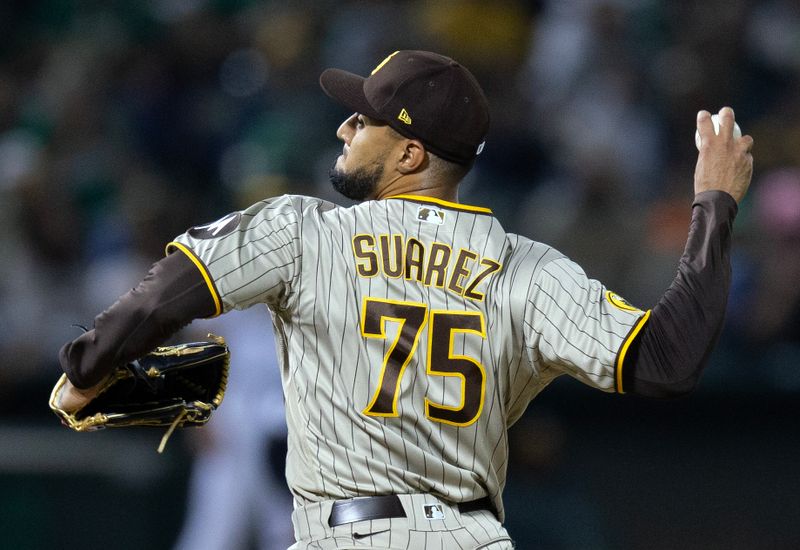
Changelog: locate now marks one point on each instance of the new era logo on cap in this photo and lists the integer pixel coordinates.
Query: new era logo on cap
(404, 117)
(451, 114)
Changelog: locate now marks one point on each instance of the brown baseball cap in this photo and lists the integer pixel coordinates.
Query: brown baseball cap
(422, 95)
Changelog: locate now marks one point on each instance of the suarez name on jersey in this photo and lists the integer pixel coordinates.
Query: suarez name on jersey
(432, 264)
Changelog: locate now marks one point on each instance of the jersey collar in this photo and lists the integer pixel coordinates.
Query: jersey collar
(444, 203)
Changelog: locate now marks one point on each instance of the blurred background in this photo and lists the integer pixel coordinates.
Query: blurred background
(122, 123)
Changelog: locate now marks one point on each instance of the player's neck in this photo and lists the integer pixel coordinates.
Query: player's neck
(418, 186)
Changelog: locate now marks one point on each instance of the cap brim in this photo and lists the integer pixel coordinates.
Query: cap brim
(348, 89)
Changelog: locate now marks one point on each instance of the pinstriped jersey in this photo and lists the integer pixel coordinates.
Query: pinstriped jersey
(412, 332)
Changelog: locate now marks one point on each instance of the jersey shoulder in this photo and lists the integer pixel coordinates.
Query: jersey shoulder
(524, 261)
(300, 204)
(285, 212)
(528, 256)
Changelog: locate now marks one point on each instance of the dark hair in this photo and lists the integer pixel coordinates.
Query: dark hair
(441, 169)
(449, 171)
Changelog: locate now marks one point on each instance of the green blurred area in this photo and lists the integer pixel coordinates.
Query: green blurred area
(122, 123)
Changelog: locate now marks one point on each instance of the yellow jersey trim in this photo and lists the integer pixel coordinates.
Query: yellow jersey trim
(619, 302)
(624, 349)
(442, 202)
(203, 271)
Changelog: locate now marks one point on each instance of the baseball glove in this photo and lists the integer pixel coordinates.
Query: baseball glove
(172, 386)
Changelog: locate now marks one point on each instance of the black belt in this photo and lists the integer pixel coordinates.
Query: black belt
(388, 506)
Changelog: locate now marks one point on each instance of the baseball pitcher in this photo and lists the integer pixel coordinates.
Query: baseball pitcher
(412, 329)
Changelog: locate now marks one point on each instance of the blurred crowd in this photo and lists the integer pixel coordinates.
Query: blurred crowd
(123, 123)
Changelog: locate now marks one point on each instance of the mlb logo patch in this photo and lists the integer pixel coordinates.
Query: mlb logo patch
(433, 511)
(430, 214)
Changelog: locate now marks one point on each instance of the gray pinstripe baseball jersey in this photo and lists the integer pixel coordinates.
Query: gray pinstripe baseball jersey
(413, 332)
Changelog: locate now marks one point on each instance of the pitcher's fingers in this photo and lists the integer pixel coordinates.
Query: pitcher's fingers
(746, 142)
(704, 125)
(726, 122)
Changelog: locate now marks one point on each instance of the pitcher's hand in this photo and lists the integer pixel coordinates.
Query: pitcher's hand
(724, 163)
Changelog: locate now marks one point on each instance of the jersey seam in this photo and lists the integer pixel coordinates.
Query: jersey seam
(295, 284)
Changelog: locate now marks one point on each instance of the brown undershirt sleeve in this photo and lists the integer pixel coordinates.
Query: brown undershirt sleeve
(668, 355)
(173, 293)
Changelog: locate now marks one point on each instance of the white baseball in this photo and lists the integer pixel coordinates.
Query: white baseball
(737, 132)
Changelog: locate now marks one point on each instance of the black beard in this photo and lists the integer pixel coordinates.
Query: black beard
(357, 185)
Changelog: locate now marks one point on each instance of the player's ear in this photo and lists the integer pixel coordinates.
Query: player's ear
(412, 157)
